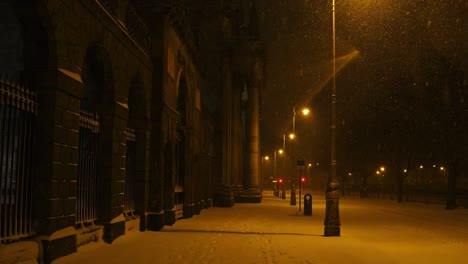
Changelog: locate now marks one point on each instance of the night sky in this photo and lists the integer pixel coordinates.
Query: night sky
(401, 84)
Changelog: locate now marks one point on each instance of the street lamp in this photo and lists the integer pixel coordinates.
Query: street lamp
(292, 136)
(264, 158)
(280, 151)
(382, 170)
(332, 196)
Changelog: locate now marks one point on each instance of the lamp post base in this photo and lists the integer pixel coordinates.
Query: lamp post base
(293, 197)
(332, 216)
(332, 231)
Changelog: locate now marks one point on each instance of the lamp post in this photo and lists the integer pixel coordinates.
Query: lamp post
(332, 217)
(382, 170)
(280, 151)
(263, 158)
(283, 193)
(292, 136)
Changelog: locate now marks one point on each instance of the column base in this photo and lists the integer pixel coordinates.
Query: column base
(188, 210)
(169, 217)
(224, 197)
(197, 208)
(209, 203)
(155, 221)
(238, 192)
(59, 244)
(113, 229)
(252, 195)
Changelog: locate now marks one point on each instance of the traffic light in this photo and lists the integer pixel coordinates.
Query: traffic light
(280, 181)
(303, 179)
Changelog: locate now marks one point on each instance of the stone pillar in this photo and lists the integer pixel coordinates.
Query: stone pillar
(54, 198)
(111, 175)
(224, 196)
(154, 219)
(236, 160)
(252, 192)
(188, 177)
(168, 164)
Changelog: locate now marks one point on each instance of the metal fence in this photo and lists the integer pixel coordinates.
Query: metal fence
(130, 169)
(137, 28)
(109, 5)
(86, 205)
(18, 111)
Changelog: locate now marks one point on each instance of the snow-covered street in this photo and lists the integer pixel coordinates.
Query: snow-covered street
(372, 231)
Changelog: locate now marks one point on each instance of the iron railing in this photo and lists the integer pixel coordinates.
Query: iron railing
(109, 5)
(86, 205)
(18, 110)
(137, 28)
(134, 25)
(130, 170)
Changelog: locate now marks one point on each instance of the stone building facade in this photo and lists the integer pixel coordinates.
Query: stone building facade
(107, 122)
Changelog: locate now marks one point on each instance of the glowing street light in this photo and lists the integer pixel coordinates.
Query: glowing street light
(292, 136)
(264, 158)
(279, 151)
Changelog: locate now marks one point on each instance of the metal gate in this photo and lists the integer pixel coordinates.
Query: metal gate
(87, 168)
(18, 111)
(130, 170)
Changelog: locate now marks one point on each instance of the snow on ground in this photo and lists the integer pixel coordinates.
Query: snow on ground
(372, 231)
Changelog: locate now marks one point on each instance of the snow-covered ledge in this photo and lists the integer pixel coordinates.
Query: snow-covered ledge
(114, 228)
(60, 243)
(20, 252)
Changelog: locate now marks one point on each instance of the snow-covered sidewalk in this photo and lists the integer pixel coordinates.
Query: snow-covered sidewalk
(373, 231)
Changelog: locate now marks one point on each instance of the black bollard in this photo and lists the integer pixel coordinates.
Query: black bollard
(307, 204)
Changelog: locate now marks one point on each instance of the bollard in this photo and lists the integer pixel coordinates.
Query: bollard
(293, 197)
(307, 204)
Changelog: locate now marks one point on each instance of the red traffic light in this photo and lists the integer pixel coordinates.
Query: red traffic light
(280, 181)
(303, 179)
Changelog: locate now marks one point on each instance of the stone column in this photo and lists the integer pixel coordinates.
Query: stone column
(252, 191)
(236, 160)
(224, 195)
(54, 201)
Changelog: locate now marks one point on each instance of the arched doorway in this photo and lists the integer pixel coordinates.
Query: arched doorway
(18, 116)
(135, 154)
(96, 77)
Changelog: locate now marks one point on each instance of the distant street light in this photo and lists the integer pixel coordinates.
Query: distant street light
(382, 178)
(263, 158)
(280, 151)
(292, 136)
